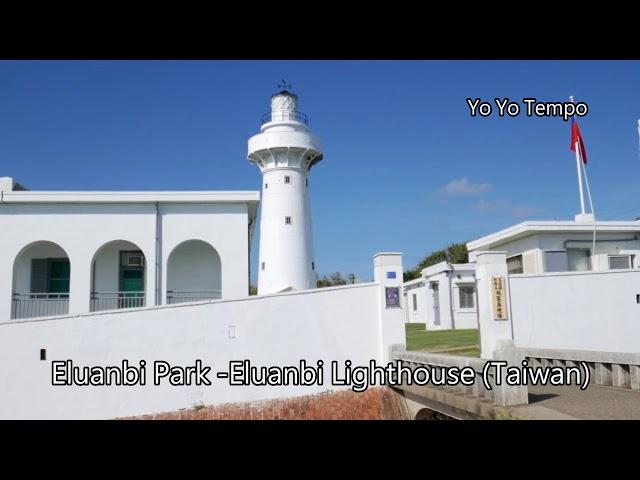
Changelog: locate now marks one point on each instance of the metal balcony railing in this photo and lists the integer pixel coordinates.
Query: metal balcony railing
(116, 300)
(192, 296)
(34, 305)
(284, 115)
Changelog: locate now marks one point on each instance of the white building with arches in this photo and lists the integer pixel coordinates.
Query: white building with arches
(77, 252)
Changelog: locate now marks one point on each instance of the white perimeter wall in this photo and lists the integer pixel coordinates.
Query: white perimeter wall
(577, 310)
(337, 323)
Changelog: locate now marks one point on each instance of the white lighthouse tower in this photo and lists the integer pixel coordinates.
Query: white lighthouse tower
(285, 151)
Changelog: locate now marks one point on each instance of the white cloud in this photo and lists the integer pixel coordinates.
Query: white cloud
(463, 186)
(525, 211)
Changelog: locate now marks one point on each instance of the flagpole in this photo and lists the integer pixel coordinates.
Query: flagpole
(578, 161)
(577, 149)
(593, 214)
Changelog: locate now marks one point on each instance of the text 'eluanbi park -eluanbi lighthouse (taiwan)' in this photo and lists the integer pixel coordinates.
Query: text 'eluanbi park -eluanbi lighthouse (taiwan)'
(285, 151)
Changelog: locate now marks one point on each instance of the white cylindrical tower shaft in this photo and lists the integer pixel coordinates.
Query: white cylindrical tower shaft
(285, 151)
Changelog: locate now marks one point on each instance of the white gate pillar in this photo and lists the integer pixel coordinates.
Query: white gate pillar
(493, 302)
(387, 273)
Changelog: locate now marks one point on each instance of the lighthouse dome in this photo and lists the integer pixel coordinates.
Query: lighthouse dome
(284, 101)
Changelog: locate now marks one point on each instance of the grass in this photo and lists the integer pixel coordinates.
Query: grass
(505, 414)
(454, 342)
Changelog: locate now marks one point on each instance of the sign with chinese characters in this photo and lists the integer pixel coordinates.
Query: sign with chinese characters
(392, 295)
(499, 296)
(391, 274)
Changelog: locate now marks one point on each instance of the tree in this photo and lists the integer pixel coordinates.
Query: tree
(457, 253)
(335, 279)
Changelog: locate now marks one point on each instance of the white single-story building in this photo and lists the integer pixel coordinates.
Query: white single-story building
(76, 252)
(560, 246)
(444, 297)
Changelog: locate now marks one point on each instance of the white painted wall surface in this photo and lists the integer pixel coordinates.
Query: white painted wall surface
(194, 265)
(421, 315)
(285, 250)
(577, 310)
(339, 323)
(224, 227)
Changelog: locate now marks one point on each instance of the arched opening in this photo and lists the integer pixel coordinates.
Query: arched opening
(194, 272)
(41, 280)
(118, 276)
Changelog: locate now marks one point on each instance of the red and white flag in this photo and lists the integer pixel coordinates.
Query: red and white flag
(576, 137)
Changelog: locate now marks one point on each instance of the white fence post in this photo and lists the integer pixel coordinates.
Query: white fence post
(493, 302)
(387, 273)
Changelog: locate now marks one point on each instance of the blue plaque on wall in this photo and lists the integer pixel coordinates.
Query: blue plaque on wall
(391, 274)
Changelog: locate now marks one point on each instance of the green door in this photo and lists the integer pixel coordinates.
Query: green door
(59, 274)
(132, 280)
(131, 288)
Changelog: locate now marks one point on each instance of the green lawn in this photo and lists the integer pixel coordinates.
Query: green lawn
(444, 341)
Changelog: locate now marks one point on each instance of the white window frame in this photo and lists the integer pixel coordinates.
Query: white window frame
(589, 259)
(473, 295)
(546, 257)
(521, 263)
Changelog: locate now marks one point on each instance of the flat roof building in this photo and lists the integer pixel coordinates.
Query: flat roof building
(75, 252)
(556, 246)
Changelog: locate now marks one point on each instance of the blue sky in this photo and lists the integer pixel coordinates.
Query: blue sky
(405, 168)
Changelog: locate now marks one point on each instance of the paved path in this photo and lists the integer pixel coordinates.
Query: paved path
(596, 402)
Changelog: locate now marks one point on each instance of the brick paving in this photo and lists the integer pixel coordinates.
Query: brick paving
(378, 403)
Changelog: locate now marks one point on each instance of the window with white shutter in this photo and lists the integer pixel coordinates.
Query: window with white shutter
(467, 296)
(514, 264)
